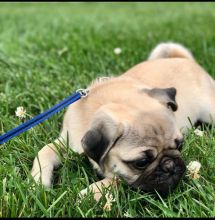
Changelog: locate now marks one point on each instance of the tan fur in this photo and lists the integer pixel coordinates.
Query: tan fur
(122, 99)
(170, 50)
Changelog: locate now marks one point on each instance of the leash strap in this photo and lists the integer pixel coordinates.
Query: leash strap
(43, 116)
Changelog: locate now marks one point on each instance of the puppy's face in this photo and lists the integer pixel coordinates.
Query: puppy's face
(140, 145)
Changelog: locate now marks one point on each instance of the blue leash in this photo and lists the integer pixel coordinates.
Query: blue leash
(43, 116)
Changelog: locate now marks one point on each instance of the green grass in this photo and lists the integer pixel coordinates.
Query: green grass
(34, 75)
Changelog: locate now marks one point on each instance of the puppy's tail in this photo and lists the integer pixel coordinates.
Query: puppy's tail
(170, 50)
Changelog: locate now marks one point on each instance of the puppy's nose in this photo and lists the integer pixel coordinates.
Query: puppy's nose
(168, 165)
(179, 143)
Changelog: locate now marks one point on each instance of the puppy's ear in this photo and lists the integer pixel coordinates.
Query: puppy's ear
(165, 96)
(100, 138)
(95, 143)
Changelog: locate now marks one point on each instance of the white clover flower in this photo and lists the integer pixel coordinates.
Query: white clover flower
(62, 51)
(193, 169)
(20, 112)
(117, 50)
(32, 187)
(127, 215)
(198, 132)
(108, 204)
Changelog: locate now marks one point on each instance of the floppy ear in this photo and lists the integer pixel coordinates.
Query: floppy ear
(100, 138)
(165, 96)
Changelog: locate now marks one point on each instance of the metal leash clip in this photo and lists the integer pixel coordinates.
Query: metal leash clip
(83, 92)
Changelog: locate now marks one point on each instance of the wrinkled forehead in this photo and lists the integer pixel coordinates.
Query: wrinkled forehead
(154, 122)
(129, 153)
(133, 146)
(138, 139)
(150, 131)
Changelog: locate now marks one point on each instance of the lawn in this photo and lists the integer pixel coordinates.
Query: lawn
(47, 51)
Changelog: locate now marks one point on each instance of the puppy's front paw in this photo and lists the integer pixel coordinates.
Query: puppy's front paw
(97, 187)
(42, 174)
(38, 178)
(97, 194)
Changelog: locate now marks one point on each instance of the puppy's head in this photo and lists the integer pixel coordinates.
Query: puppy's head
(139, 141)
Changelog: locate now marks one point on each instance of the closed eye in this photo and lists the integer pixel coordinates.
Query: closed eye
(141, 163)
(138, 164)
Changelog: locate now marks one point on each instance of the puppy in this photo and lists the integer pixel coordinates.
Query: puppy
(131, 126)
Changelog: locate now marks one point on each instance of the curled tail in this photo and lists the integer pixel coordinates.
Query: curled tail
(170, 50)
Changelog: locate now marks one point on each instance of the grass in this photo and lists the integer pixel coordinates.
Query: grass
(48, 50)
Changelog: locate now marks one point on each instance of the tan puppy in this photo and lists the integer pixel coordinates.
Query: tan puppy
(131, 126)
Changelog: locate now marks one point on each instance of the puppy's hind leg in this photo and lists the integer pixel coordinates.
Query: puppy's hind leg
(45, 162)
